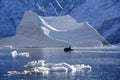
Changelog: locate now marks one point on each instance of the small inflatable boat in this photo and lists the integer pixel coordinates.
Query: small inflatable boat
(68, 49)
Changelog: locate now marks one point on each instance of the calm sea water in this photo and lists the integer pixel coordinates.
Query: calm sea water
(105, 63)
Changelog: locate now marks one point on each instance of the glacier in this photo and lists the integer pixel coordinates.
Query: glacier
(39, 31)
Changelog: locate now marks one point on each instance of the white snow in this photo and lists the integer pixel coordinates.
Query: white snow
(61, 22)
(59, 4)
(53, 8)
(48, 26)
(40, 8)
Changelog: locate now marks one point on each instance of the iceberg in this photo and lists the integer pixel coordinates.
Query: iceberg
(30, 34)
(79, 34)
(61, 31)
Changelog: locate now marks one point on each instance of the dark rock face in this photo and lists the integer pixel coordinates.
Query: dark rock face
(110, 29)
(104, 15)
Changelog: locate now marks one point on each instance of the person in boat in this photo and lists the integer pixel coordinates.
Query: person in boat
(68, 49)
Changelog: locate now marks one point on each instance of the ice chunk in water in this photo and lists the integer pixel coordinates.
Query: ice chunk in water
(35, 64)
(40, 67)
(58, 66)
(8, 47)
(41, 62)
(23, 54)
(86, 67)
(13, 72)
(82, 67)
(14, 53)
(66, 65)
(59, 69)
(41, 70)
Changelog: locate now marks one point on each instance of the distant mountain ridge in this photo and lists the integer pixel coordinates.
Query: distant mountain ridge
(103, 15)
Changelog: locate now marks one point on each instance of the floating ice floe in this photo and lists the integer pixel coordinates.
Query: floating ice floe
(42, 70)
(82, 67)
(7, 47)
(24, 54)
(40, 67)
(66, 66)
(14, 73)
(35, 64)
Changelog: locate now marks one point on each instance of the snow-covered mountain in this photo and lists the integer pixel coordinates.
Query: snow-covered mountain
(104, 15)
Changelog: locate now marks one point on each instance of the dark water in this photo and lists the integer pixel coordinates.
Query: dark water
(105, 63)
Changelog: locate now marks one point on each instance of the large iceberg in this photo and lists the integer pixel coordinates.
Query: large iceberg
(80, 34)
(39, 31)
(30, 34)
